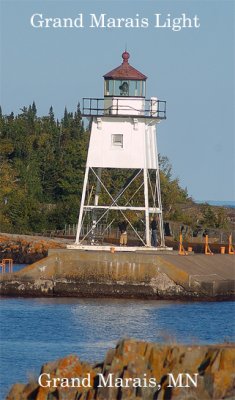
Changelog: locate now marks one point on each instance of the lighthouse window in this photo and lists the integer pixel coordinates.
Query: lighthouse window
(117, 140)
(107, 88)
(137, 88)
(134, 88)
(131, 88)
(121, 88)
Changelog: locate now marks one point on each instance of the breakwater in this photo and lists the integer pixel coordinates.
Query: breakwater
(77, 273)
(138, 370)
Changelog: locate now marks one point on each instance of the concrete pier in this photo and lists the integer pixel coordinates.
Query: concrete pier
(137, 274)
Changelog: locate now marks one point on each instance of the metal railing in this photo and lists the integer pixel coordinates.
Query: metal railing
(172, 229)
(123, 106)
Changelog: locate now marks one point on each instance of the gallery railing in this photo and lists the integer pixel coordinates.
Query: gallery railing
(119, 106)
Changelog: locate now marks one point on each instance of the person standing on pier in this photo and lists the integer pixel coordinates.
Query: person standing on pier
(123, 233)
(153, 226)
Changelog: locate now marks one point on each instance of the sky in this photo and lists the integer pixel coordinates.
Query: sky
(192, 69)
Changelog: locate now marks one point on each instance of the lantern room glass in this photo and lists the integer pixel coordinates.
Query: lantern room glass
(125, 87)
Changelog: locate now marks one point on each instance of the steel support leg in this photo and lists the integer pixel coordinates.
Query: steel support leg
(146, 203)
(82, 205)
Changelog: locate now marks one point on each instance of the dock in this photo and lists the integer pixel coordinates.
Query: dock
(139, 274)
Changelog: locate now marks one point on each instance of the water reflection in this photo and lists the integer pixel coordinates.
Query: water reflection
(34, 331)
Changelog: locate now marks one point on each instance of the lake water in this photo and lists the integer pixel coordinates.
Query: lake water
(34, 331)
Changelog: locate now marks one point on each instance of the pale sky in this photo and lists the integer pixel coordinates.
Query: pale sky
(192, 69)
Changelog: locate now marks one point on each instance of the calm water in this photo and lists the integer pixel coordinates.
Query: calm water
(34, 331)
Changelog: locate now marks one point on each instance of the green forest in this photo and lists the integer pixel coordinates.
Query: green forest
(42, 161)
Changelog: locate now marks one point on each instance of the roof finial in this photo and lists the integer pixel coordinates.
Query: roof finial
(125, 56)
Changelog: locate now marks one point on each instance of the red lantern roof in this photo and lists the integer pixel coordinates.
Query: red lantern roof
(125, 71)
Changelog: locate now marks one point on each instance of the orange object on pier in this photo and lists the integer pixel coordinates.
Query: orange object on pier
(230, 245)
(182, 251)
(208, 251)
(6, 262)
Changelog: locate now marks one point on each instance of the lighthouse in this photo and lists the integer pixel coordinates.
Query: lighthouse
(122, 180)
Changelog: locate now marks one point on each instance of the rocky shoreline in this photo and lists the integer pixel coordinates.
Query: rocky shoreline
(69, 286)
(27, 249)
(138, 370)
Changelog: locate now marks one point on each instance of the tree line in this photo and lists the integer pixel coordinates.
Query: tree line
(41, 169)
(42, 161)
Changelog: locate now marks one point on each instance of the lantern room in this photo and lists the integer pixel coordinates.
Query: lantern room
(124, 94)
(124, 89)
(124, 80)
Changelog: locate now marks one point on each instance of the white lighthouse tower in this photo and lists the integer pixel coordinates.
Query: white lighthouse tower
(122, 180)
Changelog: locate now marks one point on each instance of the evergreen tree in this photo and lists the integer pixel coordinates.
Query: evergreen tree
(51, 115)
(34, 109)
